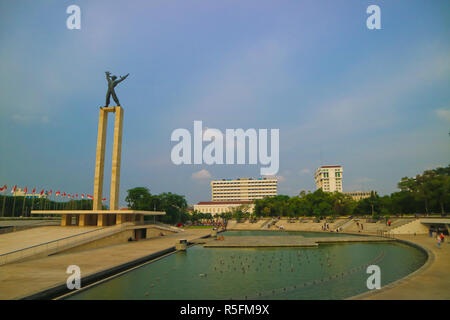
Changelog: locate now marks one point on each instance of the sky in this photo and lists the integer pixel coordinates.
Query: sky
(376, 102)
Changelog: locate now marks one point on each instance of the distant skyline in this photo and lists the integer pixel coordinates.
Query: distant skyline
(374, 101)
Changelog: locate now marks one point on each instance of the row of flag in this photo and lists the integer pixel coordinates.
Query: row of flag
(50, 192)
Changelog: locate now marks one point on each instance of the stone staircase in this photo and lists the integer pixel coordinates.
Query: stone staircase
(400, 222)
(263, 225)
(341, 223)
(346, 224)
(411, 227)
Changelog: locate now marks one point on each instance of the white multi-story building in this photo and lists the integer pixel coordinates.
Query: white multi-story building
(359, 195)
(243, 189)
(218, 207)
(329, 178)
(20, 193)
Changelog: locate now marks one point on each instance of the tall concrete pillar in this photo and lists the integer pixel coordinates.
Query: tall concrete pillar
(117, 150)
(100, 160)
(102, 220)
(66, 220)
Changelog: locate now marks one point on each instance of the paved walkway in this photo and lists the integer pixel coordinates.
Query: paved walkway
(23, 239)
(430, 283)
(25, 278)
(21, 223)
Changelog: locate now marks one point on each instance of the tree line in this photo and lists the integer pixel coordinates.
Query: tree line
(174, 205)
(20, 206)
(427, 193)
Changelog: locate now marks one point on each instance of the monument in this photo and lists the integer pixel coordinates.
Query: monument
(98, 216)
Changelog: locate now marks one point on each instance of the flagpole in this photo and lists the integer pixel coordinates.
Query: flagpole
(14, 204)
(45, 200)
(41, 203)
(23, 205)
(32, 198)
(4, 201)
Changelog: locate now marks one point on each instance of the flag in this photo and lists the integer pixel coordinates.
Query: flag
(34, 190)
(3, 188)
(14, 189)
(82, 196)
(42, 192)
(25, 191)
(68, 195)
(50, 193)
(76, 195)
(89, 196)
(63, 195)
(104, 199)
(57, 193)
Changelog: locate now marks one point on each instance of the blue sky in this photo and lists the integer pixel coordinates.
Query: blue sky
(376, 102)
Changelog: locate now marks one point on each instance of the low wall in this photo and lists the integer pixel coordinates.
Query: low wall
(117, 238)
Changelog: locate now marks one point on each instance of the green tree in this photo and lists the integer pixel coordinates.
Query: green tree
(139, 198)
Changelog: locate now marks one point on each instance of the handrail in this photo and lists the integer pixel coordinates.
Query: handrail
(59, 245)
(385, 234)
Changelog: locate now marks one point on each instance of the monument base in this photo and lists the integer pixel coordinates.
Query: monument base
(100, 218)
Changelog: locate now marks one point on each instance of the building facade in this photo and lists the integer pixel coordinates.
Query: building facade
(243, 189)
(218, 207)
(359, 195)
(329, 178)
(20, 193)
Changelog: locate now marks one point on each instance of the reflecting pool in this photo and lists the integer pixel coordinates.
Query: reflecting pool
(332, 271)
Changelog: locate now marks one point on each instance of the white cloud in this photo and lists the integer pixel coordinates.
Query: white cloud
(363, 180)
(45, 119)
(373, 103)
(305, 171)
(29, 118)
(19, 118)
(201, 175)
(443, 114)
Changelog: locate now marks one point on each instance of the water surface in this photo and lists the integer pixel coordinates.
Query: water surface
(331, 271)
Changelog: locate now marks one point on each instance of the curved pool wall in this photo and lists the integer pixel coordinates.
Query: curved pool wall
(332, 271)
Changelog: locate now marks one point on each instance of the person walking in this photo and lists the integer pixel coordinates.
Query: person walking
(438, 238)
(442, 237)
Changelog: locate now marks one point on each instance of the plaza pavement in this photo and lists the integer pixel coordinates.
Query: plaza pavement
(23, 239)
(18, 280)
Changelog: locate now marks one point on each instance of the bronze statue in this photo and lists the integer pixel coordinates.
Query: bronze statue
(112, 83)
